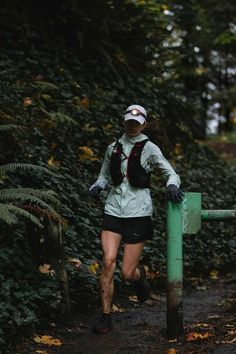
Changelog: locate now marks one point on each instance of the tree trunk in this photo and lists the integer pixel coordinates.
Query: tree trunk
(58, 264)
(48, 248)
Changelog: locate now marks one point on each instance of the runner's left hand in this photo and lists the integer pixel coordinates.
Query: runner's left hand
(174, 194)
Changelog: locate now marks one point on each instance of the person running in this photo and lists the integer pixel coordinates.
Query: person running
(128, 208)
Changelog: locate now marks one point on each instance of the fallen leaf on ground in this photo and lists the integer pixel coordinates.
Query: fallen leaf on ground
(213, 316)
(133, 298)
(154, 297)
(171, 351)
(47, 340)
(202, 325)
(226, 341)
(214, 274)
(230, 341)
(117, 308)
(201, 288)
(150, 302)
(75, 261)
(196, 336)
(152, 275)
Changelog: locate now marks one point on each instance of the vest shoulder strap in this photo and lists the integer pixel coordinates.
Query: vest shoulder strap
(141, 143)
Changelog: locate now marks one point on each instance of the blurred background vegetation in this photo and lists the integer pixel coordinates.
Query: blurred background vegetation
(68, 70)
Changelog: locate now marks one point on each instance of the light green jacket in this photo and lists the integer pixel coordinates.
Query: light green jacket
(127, 201)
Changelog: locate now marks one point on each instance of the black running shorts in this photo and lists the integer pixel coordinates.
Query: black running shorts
(132, 230)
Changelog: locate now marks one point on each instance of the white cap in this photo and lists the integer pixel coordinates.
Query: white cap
(139, 113)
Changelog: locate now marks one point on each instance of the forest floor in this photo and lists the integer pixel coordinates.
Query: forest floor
(209, 325)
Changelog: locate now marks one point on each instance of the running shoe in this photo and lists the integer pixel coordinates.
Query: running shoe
(142, 287)
(103, 324)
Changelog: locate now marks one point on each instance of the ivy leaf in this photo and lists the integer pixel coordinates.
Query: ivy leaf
(85, 102)
(52, 162)
(27, 102)
(87, 154)
(45, 269)
(93, 268)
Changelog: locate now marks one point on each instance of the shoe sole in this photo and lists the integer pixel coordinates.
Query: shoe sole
(102, 330)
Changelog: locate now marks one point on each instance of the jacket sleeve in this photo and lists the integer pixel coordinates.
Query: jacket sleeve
(104, 175)
(156, 158)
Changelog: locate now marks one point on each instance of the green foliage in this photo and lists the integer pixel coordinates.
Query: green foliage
(216, 243)
(227, 138)
(24, 292)
(9, 127)
(23, 197)
(14, 167)
(69, 70)
(9, 212)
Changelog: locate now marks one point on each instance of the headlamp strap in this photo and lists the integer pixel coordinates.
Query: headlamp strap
(135, 112)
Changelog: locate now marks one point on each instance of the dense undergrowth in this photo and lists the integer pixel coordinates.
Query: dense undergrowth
(67, 112)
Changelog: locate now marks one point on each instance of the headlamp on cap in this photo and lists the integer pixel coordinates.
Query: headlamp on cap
(136, 112)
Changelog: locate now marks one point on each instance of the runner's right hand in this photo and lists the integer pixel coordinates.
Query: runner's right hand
(95, 191)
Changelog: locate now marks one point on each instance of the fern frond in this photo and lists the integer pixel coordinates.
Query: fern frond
(8, 211)
(6, 216)
(5, 116)
(28, 199)
(45, 86)
(12, 193)
(27, 167)
(7, 127)
(59, 117)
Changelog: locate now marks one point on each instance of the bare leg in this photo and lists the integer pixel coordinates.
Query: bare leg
(132, 253)
(110, 245)
(131, 272)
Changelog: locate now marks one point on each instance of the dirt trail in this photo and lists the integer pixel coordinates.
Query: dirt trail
(209, 311)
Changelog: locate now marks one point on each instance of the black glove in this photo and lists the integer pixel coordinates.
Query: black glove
(174, 194)
(95, 191)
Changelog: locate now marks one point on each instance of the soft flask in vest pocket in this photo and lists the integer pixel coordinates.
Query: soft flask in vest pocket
(136, 174)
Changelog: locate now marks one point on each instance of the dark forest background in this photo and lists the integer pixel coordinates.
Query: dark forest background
(68, 70)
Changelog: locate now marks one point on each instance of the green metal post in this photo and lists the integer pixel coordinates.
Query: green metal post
(184, 218)
(174, 270)
(218, 215)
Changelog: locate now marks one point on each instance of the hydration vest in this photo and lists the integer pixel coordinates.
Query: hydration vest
(136, 174)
